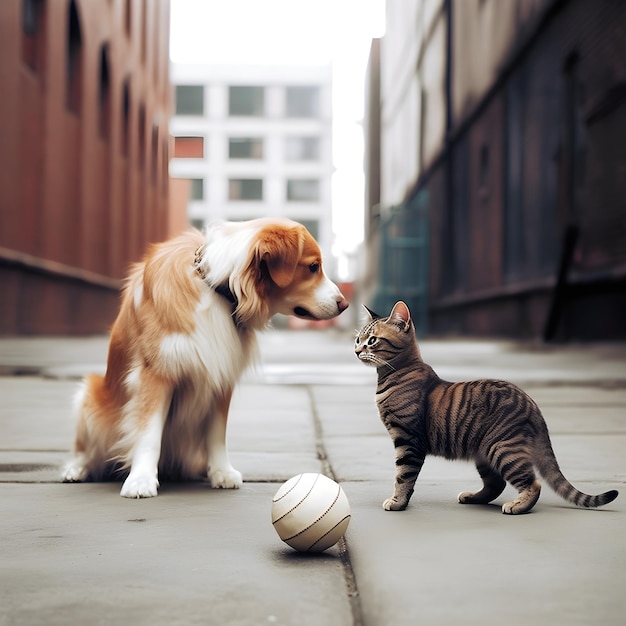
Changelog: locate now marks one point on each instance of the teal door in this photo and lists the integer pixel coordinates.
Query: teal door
(403, 271)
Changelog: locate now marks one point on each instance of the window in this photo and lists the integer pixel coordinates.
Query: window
(303, 102)
(313, 226)
(189, 147)
(189, 100)
(128, 16)
(516, 242)
(126, 104)
(165, 162)
(74, 59)
(104, 94)
(33, 30)
(303, 190)
(154, 154)
(144, 36)
(245, 148)
(157, 68)
(196, 189)
(302, 149)
(245, 189)
(31, 15)
(574, 142)
(141, 137)
(246, 101)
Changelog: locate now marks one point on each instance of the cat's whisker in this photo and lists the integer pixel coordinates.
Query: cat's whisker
(384, 363)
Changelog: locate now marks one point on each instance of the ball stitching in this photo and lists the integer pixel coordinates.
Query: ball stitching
(318, 519)
(298, 503)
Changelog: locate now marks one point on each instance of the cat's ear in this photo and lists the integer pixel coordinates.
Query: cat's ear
(373, 316)
(401, 315)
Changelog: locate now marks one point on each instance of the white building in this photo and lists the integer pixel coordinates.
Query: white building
(255, 141)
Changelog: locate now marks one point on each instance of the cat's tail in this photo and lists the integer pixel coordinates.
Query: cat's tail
(548, 467)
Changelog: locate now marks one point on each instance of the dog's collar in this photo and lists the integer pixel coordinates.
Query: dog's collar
(223, 289)
(225, 292)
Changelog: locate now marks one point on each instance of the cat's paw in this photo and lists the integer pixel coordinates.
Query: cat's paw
(513, 508)
(392, 504)
(225, 478)
(525, 501)
(469, 497)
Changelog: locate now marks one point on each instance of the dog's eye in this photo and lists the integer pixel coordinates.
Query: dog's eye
(314, 268)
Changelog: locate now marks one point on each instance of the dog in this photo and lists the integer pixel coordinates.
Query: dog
(185, 332)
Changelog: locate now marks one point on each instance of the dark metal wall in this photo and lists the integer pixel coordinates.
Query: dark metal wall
(540, 152)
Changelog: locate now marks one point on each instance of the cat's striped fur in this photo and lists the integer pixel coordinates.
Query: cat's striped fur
(491, 422)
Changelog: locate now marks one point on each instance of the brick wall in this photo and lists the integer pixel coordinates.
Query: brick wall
(84, 182)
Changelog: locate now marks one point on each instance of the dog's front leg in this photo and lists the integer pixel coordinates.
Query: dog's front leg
(146, 415)
(222, 475)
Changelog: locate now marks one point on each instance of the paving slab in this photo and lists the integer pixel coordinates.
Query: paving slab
(53, 357)
(80, 554)
(440, 562)
(76, 554)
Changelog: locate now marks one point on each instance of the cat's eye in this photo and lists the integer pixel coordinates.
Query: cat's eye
(314, 268)
(372, 340)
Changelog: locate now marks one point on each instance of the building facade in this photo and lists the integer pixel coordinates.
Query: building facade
(255, 141)
(84, 182)
(502, 136)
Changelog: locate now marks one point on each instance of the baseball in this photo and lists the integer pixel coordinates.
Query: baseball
(310, 512)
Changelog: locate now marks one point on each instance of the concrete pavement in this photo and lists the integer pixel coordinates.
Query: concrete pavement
(80, 554)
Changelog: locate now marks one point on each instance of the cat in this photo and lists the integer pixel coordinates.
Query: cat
(491, 422)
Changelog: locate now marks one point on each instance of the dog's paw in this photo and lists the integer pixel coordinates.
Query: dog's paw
(139, 486)
(225, 478)
(74, 473)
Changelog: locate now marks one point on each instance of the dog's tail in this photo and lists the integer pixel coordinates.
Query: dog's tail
(97, 427)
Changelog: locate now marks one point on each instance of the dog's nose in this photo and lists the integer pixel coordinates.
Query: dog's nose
(342, 304)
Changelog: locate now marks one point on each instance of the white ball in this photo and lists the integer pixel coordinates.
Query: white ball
(310, 512)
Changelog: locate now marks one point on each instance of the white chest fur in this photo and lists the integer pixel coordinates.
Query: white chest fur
(215, 352)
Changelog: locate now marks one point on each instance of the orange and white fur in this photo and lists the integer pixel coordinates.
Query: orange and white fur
(184, 335)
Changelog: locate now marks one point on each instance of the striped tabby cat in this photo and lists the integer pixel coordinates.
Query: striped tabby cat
(491, 422)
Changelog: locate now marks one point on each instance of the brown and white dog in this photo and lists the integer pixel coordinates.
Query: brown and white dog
(184, 334)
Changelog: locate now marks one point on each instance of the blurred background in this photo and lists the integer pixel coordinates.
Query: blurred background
(466, 156)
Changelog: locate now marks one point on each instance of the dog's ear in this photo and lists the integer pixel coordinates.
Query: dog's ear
(280, 248)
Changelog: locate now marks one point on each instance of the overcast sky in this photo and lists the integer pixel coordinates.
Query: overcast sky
(296, 32)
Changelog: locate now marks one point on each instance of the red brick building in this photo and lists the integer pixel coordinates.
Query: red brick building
(84, 182)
